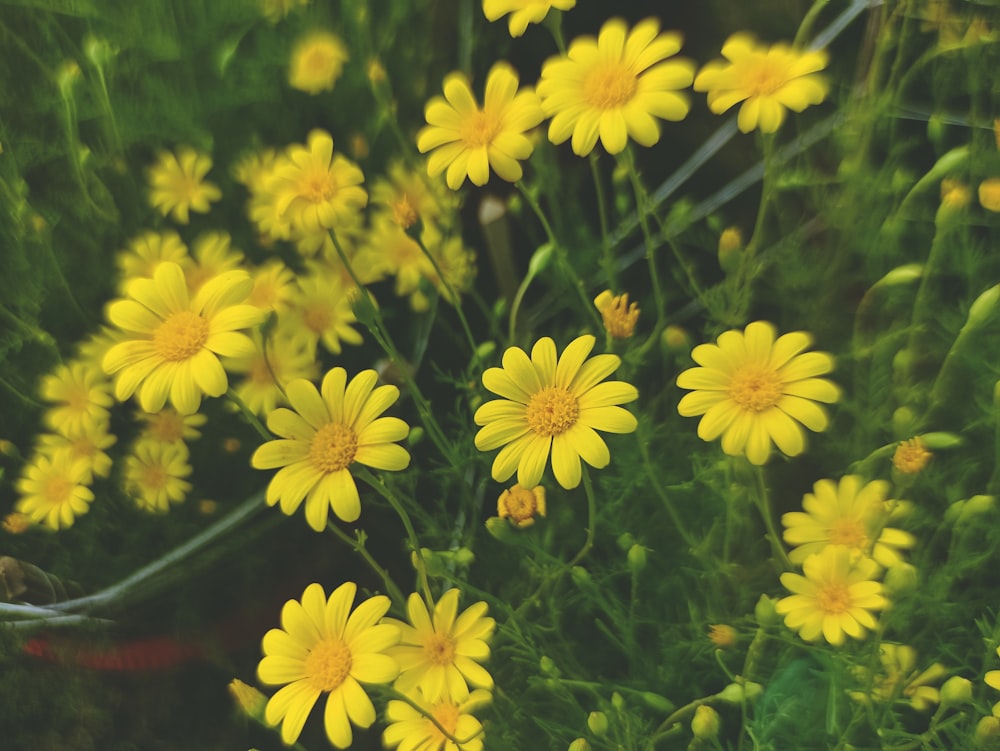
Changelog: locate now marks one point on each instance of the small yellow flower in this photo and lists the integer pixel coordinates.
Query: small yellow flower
(88, 444)
(273, 287)
(615, 87)
(148, 250)
(213, 254)
(618, 315)
(521, 505)
(177, 185)
(81, 394)
(989, 194)
(408, 196)
(154, 474)
(53, 490)
(722, 635)
(170, 426)
(266, 372)
(410, 729)
(321, 312)
(954, 194)
(16, 523)
(911, 456)
(768, 80)
(468, 140)
(317, 61)
(522, 12)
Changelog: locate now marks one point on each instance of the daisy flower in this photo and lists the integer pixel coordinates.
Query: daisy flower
(408, 195)
(176, 340)
(768, 80)
(154, 474)
(522, 12)
(834, 597)
(329, 430)
(440, 654)
(615, 87)
(316, 63)
(321, 312)
(88, 444)
(213, 254)
(323, 647)
(847, 513)
(53, 490)
(148, 250)
(273, 287)
(409, 729)
(170, 426)
(552, 406)
(755, 390)
(521, 505)
(267, 371)
(177, 185)
(468, 140)
(81, 394)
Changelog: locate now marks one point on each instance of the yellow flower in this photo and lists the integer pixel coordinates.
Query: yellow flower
(754, 390)
(323, 647)
(522, 12)
(407, 195)
(440, 655)
(88, 444)
(768, 80)
(615, 87)
(82, 396)
(521, 505)
(317, 61)
(170, 426)
(53, 490)
(177, 185)
(557, 406)
(898, 679)
(268, 370)
(849, 514)
(911, 456)
(618, 315)
(273, 287)
(321, 312)
(468, 141)
(154, 474)
(328, 431)
(989, 194)
(992, 679)
(409, 729)
(176, 340)
(148, 250)
(833, 598)
(16, 523)
(213, 254)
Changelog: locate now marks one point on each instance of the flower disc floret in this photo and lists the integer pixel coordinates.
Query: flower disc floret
(177, 185)
(53, 489)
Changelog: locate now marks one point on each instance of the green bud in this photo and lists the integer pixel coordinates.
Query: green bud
(617, 701)
(675, 339)
(500, 530)
(938, 441)
(484, 350)
(901, 275)
(956, 691)
(736, 693)
(636, 558)
(902, 363)
(580, 744)
(415, 436)
(730, 250)
(984, 305)
(464, 557)
(904, 421)
(705, 723)
(987, 734)
(548, 667)
(936, 128)
(657, 702)
(581, 577)
(625, 541)
(764, 612)
(900, 579)
(363, 309)
(598, 723)
(540, 259)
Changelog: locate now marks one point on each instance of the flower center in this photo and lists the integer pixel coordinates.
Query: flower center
(328, 664)
(318, 186)
(849, 532)
(764, 78)
(78, 397)
(755, 388)
(609, 86)
(333, 447)
(520, 503)
(154, 477)
(552, 411)
(440, 649)
(166, 427)
(480, 129)
(181, 336)
(446, 713)
(316, 317)
(403, 212)
(833, 599)
(57, 490)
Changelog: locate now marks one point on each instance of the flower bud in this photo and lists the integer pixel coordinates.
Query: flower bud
(901, 578)
(676, 339)
(598, 723)
(548, 667)
(904, 421)
(987, 733)
(581, 577)
(736, 693)
(730, 249)
(705, 723)
(540, 259)
(956, 691)
(249, 700)
(722, 635)
(580, 744)
(636, 559)
(983, 306)
(989, 194)
(617, 701)
(625, 541)
(657, 702)
(764, 612)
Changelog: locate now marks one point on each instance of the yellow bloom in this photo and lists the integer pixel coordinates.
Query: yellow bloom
(911, 456)
(898, 679)
(549, 405)
(615, 87)
(407, 195)
(88, 444)
(16, 523)
(177, 185)
(323, 647)
(833, 598)
(521, 505)
(53, 490)
(170, 426)
(468, 141)
(213, 254)
(154, 474)
(273, 287)
(522, 12)
(768, 80)
(321, 312)
(754, 390)
(849, 514)
(618, 315)
(268, 370)
(82, 396)
(989, 194)
(328, 431)
(409, 729)
(317, 61)
(177, 340)
(148, 250)
(440, 655)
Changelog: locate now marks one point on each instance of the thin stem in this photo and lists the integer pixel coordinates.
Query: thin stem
(453, 295)
(591, 520)
(643, 208)
(249, 416)
(654, 482)
(358, 546)
(764, 506)
(607, 256)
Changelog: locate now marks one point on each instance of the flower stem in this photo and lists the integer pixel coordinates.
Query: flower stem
(654, 481)
(762, 499)
(588, 488)
(249, 416)
(357, 544)
(607, 256)
(453, 296)
(643, 207)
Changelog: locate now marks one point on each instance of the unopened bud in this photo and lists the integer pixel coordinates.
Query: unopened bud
(636, 558)
(722, 635)
(540, 259)
(765, 613)
(580, 744)
(904, 421)
(598, 723)
(617, 701)
(740, 691)
(548, 667)
(657, 702)
(249, 700)
(676, 339)
(901, 578)
(956, 691)
(730, 249)
(705, 723)
(625, 541)
(983, 306)
(987, 735)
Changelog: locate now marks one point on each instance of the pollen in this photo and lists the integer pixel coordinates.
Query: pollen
(446, 713)
(911, 456)
(480, 129)
(181, 336)
(849, 532)
(440, 649)
(552, 411)
(328, 664)
(333, 447)
(58, 490)
(755, 388)
(609, 86)
(521, 505)
(833, 599)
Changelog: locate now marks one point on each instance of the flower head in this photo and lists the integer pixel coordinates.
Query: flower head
(81, 394)
(410, 729)
(755, 390)
(768, 80)
(615, 87)
(175, 339)
(329, 430)
(321, 312)
(834, 597)
(911, 456)
(170, 426)
(408, 195)
(551, 405)
(148, 250)
(469, 140)
(521, 505)
(899, 679)
(316, 63)
(177, 185)
(323, 647)
(522, 12)
(276, 362)
(155, 472)
(53, 489)
(618, 315)
(86, 443)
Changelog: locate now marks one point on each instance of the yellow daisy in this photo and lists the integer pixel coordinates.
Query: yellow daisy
(468, 140)
(316, 63)
(170, 426)
(323, 647)
(521, 505)
(321, 312)
(898, 679)
(329, 430)
(213, 254)
(552, 406)
(148, 250)
(440, 655)
(177, 185)
(754, 389)
(82, 395)
(768, 80)
(834, 597)
(407, 195)
(53, 489)
(615, 87)
(88, 444)
(154, 474)
(273, 287)
(176, 339)
(619, 316)
(522, 12)
(846, 513)
(411, 730)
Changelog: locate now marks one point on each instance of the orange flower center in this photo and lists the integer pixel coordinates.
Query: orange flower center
(316, 316)
(849, 532)
(480, 129)
(318, 186)
(447, 714)
(552, 411)
(764, 78)
(403, 212)
(333, 447)
(833, 599)
(755, 388)
(57, 490)
(440, 649)
(328, 664)
(166, 427)
(154, 477)
(181, 336)
(609, 85)
(519, 504)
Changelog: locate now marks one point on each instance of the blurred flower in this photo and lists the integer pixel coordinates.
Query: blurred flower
(522, 12)
(321, 312)
(177, 185)
(53, 490)
(86, 443)
(16, 523)
(898, 679)
(268, 369)
(768, 80)
(755, 390)
(954, 194)
(467, 140)
(911, 456)
(521, 505)
(316, 63)
(328, 431)
(552, 406)
(275, 10)
(989, 194)
(722, 635)
(408, 196)
(409, 729)
(618, 315)
(273, 287)
(148, 250)
(170, 426)
(323, 647)
(615, 87)
(213, 254)
(154, 474)
(82, 395)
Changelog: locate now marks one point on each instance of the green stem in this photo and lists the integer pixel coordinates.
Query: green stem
(654, 482)
(591, 520)
(807, 22)
(249, 416)
(453, 296)
(358, 546)
(642, 207)
(607, 256)
(763, 501)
